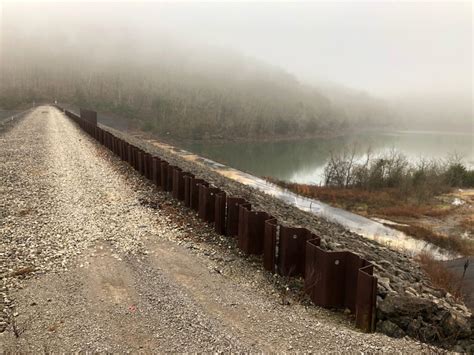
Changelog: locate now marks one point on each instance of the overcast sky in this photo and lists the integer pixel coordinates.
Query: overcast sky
(384, 48)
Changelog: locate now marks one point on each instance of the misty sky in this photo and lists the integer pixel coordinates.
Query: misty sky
(385, 48)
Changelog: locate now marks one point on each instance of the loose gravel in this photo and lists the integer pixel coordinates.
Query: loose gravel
(94, 258)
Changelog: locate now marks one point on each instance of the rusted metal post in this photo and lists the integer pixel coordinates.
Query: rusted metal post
(207, 205)
(169, 178)
(146, 165)
(164, 175)
(232, 228)
(130, 154)
(150, 167)
(220, 213)
(178, 184)
(269, 245)
(366, 299)
(156, 171)
(187, 178)
(243, 225)
(140, 162)
(194, 192)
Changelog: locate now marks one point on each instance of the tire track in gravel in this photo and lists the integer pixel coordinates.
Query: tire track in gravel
(115, 275)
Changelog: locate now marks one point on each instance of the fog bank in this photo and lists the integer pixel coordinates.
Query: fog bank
(415, 56)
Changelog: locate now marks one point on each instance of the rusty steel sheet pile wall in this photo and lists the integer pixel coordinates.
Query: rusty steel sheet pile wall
(188, 178)
(140, 161)
(156, 171)
(366, 298)
(338, 279)
(147, 165)
(89, 116)
(232, 212)
(169, 178)
(164, 175)
(194, 192)
(341, 279)
(178, 184)
(284, 248)
(251, 229)
(207, 201)
(220, 213)
(270, 249)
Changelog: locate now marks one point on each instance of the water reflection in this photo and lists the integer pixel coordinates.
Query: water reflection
(304, 160)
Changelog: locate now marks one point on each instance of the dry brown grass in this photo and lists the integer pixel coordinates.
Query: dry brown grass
(340, 196)
(382, 202)
(440, 276)
(458, 245)
(439, 211)
(387, 203)
(467, 222)
(400, 211)
(414, 211)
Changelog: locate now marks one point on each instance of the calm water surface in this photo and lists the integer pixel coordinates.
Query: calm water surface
(304, 160)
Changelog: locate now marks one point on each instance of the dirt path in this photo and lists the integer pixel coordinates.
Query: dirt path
(94, 258)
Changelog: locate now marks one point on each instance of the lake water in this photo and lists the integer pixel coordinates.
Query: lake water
(303, 161)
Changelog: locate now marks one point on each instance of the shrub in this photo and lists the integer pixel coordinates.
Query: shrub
(456, 174)
(441, 276)
(422, 180)
(468, 179)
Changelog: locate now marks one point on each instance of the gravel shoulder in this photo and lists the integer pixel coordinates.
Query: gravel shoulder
(94, 258)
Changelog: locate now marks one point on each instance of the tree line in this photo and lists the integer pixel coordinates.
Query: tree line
(422, 179)
(182, 93)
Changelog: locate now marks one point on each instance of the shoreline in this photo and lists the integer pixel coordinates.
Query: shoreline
(439, 220)
(334, 236)
(180, 142)
(177, 145)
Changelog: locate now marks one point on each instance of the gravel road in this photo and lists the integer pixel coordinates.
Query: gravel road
(94, 258)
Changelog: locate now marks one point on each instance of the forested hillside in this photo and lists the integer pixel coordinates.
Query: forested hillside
(184, 91)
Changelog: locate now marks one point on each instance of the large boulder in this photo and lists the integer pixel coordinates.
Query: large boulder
(420, 318)
(406, 306)
(455, 323)
(390, 328)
